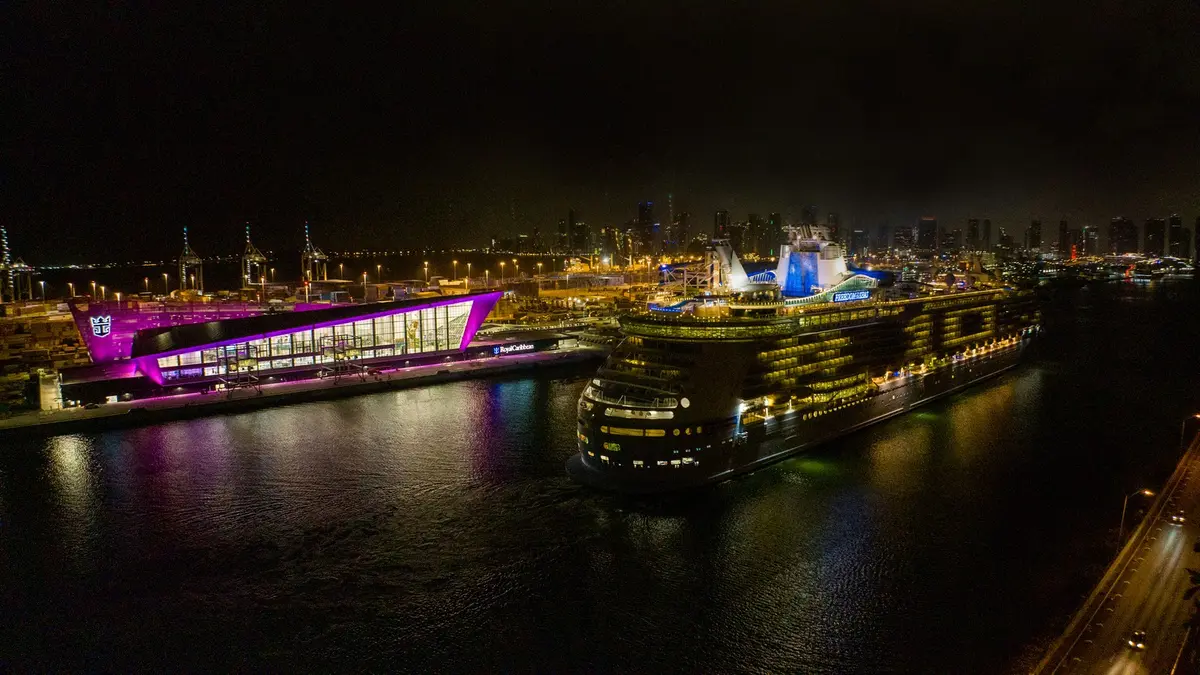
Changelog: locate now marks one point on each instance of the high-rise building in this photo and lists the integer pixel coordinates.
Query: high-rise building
(679, 232)
(947, 239)
(1176, 245)
(860, 242)
(973, 234)
(647, 228)
(721, 224)
(775, 226)
(580, 237)
(1004, 243)
(927, 234)
(1033, 236)
(1154, 241)
(756, 235)
(834, 222)
(1064, 239)
(737, 237)
(905, 239)
(562, 243)
(808, 215)
(1091, 240)
(1122, 236)
(882, 241)
(985, 238)
(1074, 245)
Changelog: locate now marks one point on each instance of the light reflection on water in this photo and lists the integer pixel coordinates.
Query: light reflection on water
(434, 529)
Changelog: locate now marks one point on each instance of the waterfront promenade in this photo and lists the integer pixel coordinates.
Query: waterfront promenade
(145, 411)
(1141, 591)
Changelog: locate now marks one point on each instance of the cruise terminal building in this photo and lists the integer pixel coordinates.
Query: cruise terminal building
(146, 350)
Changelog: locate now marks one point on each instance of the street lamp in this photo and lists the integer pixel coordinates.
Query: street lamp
(43, 285)
(166, 291)
(94, 288)
(341, 270)
(103, 295)
(378, 272)
(501, 272)
(456, 270)
(147, 282)
(272, 275)
(1121, 529)
(364, 285)
(468, 276)
(71, 286)
(118, 297)
(426, 272)
(487, 278)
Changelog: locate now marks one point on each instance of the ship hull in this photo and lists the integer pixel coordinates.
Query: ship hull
(787, 433)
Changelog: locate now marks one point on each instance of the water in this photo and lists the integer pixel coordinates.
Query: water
(434, 529)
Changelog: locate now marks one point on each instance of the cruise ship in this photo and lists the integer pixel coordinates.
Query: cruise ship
(749, 370)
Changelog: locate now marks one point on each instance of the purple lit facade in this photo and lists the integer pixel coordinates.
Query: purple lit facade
(123, 339)
(108, 328)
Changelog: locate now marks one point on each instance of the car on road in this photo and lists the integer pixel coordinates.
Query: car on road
(1177, 518)
(1138, 640)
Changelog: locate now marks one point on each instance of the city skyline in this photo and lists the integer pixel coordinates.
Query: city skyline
(450, 125)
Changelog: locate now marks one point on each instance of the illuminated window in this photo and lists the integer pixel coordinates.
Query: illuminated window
(656, 433)
(612, 447)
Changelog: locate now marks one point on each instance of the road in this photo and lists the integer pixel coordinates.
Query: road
(1146, 593)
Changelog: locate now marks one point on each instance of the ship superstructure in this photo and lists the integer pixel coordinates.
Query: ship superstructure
(705, 387)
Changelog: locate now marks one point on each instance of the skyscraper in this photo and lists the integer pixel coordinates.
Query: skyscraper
(562, 243)
(1177, 246)
(756, 235)
(808, 215)
(1033, 236)
(973, 234)
(1122, 236)
(647, 228)
(905, 239)
(721, 224)
(737, 237)
(860, 242)
(775, 225)
(679, 231)
(580, 237)
(1064, 239)
(985, 239)
(1091, 240)
(927, 234)
(1155, 237)
(834, 221)
(1004, 243)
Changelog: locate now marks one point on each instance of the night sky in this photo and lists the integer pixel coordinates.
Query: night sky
(442, 126)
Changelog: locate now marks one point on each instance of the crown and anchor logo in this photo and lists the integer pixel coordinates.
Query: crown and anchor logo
(101, 325)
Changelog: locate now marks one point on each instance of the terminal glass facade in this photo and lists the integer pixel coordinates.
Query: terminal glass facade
(418, 331)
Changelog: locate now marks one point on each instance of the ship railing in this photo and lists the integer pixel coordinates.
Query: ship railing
(663, 403)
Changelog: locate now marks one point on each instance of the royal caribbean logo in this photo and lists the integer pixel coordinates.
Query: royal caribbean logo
(101, 326)
(508, 349)
(847, 296)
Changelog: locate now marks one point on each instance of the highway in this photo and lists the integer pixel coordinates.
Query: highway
(1143, 591)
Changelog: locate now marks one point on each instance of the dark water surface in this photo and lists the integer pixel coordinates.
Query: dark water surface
(435, 530)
